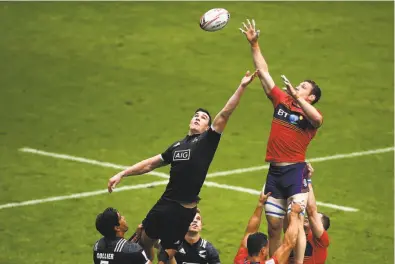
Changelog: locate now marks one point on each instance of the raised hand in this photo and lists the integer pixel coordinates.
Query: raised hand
(250, 32)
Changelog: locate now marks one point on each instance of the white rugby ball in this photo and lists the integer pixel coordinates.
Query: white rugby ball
(214, 19)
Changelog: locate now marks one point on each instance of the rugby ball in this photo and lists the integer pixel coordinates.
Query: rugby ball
(214, 19)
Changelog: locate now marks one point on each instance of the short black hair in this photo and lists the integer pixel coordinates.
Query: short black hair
(326, 222)
(205, 111)
(106, 221)
(315, 91)
(255, 242)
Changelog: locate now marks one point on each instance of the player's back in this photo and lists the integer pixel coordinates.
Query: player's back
(118, 251)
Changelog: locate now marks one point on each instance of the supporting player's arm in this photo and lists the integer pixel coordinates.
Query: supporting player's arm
(255, 220)
(222, 117)
(259, 61)
(289, 242)
(139, 168)
(314, 217)
(311, 112)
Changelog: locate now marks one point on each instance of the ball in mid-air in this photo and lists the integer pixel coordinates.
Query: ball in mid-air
(214, 19)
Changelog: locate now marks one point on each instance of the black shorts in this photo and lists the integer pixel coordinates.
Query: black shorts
(168, 221)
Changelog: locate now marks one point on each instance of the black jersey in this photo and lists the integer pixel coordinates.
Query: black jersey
(202, 252)
(118, 251)
(190, 159)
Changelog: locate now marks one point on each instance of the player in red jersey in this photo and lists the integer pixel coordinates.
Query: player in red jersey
(253, 246)
(295, 123)
(315, 226)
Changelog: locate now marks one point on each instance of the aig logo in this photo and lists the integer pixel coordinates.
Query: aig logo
(181, 154)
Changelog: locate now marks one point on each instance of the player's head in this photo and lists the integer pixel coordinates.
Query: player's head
(326, 223)
(309, 91)
(256, 245)
(110, 223)
(196, 224)
(200, 121)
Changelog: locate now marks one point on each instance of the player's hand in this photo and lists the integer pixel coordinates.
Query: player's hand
(290, 89)
(263, 198)
(137, 234)
(248, 78)
(297, 207)
(250, 32)
(310, 170)
(113, 181)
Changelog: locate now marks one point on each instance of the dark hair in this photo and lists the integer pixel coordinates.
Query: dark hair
(204, 111)
(255, 243)
(106, 221)
(326, 222)
(315, 91)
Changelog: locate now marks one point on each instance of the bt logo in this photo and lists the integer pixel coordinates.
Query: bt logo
(293, 119)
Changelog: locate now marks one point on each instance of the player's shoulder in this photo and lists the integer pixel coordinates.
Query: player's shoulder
(131, 247)
(206, 244)
(96, 245)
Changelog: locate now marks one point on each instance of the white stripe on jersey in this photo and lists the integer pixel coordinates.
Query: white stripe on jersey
(97, 243)
(204, 243)
(119, 245)
(145, 256)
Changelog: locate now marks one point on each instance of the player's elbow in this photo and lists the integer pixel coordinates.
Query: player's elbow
(317, 121)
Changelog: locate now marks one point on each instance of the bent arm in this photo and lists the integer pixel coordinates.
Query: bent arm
(311, 112)
(314, 218)
(261, 65)
(222, 117)
(144, 166)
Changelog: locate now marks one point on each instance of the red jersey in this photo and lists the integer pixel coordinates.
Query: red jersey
(291, 132)
(242, 254)
(316, 249)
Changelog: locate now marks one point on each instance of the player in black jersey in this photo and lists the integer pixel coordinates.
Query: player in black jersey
(113, 248)
(194, 249)
(190, 158)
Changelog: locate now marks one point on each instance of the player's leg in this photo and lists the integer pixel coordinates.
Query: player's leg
(147, 244)
(152, 226)
(275, 210)
(298, 192)
(176, 224)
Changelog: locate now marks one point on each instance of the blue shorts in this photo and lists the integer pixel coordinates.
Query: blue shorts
(286, 181)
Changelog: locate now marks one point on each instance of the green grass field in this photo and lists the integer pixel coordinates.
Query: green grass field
(119, 81)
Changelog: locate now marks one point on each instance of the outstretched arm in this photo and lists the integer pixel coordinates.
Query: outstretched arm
(289, 242)
(137, 169)
(259, 61)
(222, 117)
(255, 220)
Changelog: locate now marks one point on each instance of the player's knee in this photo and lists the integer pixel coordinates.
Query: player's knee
(274, 229)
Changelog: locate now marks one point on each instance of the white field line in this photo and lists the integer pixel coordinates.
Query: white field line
(85, 160)
(320, 159)
(164, 175)
(251, 191)
(84, 194)
(148, 185)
